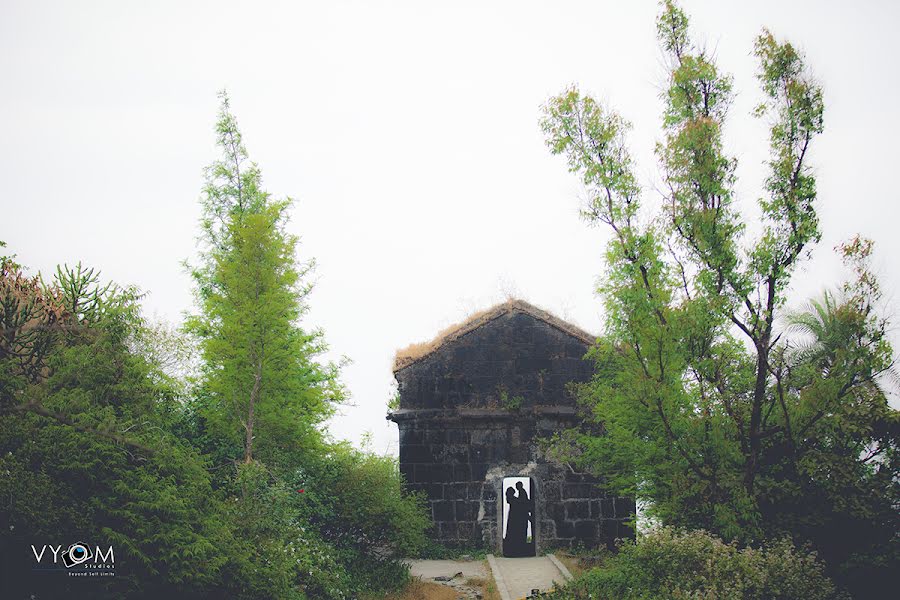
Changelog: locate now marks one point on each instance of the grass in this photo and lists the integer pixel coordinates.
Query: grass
(573, 563)
(486, 585)
(436, 551)
(579, 560)
(417, 589)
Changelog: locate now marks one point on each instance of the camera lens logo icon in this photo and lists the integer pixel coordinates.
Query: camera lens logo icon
(76, 554)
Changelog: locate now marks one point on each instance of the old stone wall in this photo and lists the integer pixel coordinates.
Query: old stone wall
(460, 460)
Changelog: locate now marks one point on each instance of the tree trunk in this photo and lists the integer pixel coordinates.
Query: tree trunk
(254, 396)
(754, 432)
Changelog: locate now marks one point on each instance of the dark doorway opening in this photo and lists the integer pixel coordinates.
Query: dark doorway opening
(518, 517)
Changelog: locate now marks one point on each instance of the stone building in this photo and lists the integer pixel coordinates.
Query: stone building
(474, 405)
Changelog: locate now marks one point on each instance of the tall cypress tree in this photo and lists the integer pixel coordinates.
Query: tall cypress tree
(263, 390)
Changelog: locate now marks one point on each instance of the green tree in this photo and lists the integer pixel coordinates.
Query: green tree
(298, 506)
(221, 485)
(263, 390)
(86, 449)
(708, 411)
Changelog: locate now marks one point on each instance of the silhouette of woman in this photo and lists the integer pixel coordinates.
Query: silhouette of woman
(516, 523)
(515, 542)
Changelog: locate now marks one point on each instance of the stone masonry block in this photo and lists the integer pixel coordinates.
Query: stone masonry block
(576, 490)
(586, 530)
(442, 510)
(466, 510)
(578, 510)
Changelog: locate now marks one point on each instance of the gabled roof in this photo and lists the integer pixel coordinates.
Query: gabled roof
(416, 352)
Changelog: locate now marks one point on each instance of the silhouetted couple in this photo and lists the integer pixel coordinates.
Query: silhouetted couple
(521, 512)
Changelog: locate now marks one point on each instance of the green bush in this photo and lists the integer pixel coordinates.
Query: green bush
(93, 459)
(669, 564)
(356, 501)
(275, 554)
(98, 445)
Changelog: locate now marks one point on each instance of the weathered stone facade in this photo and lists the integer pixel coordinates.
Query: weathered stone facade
(473, 407)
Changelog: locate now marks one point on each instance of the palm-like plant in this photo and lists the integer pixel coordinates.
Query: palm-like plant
(820, 329)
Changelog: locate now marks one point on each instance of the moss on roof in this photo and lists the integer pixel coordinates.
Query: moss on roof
(415, 352)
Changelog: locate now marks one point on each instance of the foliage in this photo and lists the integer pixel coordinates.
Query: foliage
(85, 450)
(356, 500)
(275, 553)
(393, 402)
(387, 519)
(191, 464)
(310, 515)
(434, 550)
(668, 564)
(95, 446)
(713, 409)
(508, 402)
(260, 378)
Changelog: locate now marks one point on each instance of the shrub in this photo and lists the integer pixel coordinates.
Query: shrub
(273, 554)
(356, 501)
(97, 446)
(671, 564)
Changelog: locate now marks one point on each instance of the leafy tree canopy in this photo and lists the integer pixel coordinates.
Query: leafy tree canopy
(721, 406)
(262, 387)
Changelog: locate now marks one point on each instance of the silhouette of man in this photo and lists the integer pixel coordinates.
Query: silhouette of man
(527, 514)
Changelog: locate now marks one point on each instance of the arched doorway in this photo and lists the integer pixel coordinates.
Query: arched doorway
(518, 516)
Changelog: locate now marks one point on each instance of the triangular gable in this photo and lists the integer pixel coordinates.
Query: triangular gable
(416, 352)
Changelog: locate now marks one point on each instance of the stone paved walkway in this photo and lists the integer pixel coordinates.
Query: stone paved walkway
(518, 576)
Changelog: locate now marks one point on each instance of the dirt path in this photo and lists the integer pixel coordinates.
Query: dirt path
(514, 578)
(453, 574)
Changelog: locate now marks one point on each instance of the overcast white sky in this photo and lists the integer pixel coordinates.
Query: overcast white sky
(407, 132)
